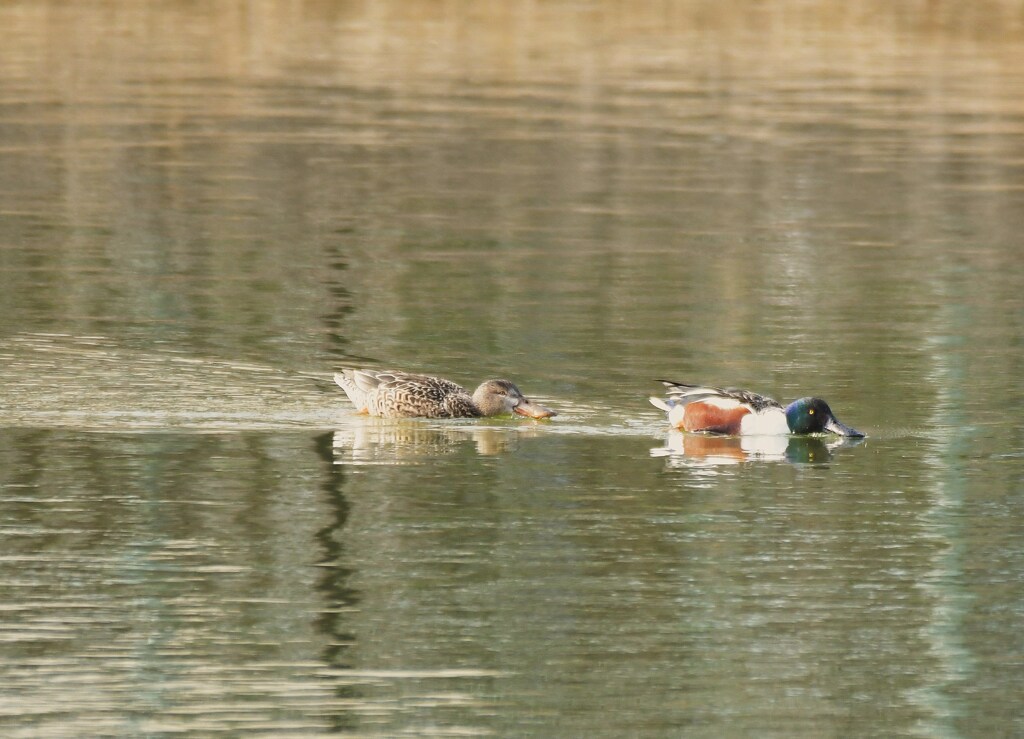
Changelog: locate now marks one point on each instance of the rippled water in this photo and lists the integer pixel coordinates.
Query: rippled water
(206, 211)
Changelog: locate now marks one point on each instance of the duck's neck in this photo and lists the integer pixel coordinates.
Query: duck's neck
(481, 402)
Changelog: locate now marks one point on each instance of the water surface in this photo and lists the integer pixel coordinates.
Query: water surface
(204, 212)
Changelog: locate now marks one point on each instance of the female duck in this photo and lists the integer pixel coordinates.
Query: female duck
(739, 412)
(403, 395)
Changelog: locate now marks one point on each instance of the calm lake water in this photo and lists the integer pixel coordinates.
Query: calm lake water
(206, 210)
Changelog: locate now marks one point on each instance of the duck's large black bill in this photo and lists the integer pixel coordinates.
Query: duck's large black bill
(834, 426)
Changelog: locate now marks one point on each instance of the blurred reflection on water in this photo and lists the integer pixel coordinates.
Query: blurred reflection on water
(381, 441)
(712, 450)
(204, 211)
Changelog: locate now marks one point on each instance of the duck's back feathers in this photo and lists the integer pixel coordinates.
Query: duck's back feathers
(400, 394)
(682, 394)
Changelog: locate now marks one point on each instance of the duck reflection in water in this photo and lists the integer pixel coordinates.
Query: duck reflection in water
(398, 442)
(709, 449)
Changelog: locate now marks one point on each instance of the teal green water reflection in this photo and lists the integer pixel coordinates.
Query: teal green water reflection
(204, 212)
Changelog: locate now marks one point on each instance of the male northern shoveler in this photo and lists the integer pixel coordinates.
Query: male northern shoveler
(402, 395)
(732, 411)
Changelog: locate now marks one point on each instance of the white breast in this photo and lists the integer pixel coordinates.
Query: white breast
(768, 423)
(675, 416)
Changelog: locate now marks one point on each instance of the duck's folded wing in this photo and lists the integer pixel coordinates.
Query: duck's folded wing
(681, 393)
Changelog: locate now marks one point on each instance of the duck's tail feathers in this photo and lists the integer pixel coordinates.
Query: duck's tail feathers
(676, 410)
(662, 403)
(347, 380)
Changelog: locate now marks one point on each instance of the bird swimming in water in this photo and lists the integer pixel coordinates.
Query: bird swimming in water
(404, 395)
(740, 412)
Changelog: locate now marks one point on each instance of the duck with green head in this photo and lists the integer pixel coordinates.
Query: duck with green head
(740, 412)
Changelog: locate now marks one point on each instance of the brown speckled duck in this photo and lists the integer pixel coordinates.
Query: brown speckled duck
(402, 395)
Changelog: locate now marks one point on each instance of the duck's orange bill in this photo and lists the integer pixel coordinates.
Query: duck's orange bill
(533, 410)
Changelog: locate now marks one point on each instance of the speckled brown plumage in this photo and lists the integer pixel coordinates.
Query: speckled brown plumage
(404, 395)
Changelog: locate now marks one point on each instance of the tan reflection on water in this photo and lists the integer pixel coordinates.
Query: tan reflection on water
(395, 40)
(137, 62)
(383, 441)
(794, 143)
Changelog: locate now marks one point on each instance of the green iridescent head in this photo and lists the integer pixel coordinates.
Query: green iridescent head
(813, 416)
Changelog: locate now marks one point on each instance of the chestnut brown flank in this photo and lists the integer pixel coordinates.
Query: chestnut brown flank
(707, 417)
